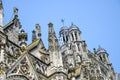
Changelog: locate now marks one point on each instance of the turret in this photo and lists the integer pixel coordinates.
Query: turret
(103, 55)
(70, 34)
(23, 39)
(64, 37)
(74, 33)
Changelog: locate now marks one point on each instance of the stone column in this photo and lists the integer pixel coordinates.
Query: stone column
(74, 36)
(107, 59)
(79, 36)
(70, 37)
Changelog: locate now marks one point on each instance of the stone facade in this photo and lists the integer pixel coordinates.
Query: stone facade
(66, 59)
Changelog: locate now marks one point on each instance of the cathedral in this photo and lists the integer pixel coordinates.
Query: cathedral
(66, 58)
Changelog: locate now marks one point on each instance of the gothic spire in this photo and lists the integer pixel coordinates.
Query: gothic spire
(51, 30)
(53, 41)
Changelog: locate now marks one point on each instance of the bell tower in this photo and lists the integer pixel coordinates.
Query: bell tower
(1, 14)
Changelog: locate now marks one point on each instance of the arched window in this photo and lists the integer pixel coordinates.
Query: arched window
(66, 38)
(76, 36)
(72, 36)
(100, 58)
(104, 57)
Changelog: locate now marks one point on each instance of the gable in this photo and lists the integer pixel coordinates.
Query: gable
(23, 67)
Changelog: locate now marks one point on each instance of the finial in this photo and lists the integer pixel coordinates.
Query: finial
(15, 12)
(22, 35)
(51, 30)
(62, 20)
(33, 35)
(22, 31)
(38, 29)
(50, 24)
(23, 38)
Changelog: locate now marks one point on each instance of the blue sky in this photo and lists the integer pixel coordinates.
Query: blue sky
(99, 20)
